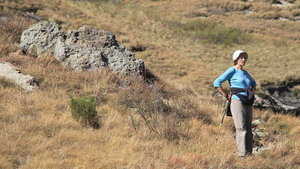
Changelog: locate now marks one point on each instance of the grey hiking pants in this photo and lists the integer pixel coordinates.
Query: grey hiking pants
(242, 116)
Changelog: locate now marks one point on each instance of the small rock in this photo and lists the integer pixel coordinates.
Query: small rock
(27, 82)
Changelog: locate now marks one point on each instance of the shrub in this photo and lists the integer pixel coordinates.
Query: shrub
(147, 106)
(84, 111)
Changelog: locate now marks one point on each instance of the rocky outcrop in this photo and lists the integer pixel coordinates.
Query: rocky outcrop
(26, 82)
(82, 49)
(279, 98)
(40, 38)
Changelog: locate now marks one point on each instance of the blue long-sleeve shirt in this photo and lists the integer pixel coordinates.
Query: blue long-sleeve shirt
(237, 78)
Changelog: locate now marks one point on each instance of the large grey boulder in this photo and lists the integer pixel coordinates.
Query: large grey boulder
(82, 49)
(40, 38)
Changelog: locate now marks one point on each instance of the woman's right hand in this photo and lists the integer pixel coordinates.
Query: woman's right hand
(228, 96)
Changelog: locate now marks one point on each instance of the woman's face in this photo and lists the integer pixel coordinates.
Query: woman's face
(241, 60)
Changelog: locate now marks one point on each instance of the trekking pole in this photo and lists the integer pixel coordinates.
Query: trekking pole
(222, 119)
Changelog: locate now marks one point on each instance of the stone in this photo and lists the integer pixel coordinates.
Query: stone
(85, 49)
(40, 38)
(26, 82)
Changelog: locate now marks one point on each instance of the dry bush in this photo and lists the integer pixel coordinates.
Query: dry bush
(148, 102)
(11, 28)
(163, 112)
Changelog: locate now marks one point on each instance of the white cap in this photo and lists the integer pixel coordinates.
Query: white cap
(237, 53)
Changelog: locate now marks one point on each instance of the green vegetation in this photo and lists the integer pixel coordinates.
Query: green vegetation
(208, 31)
(296, 92)
(84, 110)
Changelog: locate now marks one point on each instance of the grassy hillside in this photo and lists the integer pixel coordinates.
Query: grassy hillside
(185, 44)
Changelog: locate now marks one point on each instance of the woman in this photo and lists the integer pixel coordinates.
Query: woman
(242, 86)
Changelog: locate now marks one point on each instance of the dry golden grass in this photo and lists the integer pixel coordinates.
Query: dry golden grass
(38, 131)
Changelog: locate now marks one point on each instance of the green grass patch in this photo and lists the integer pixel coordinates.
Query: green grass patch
(210, 32)
(296, 92)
